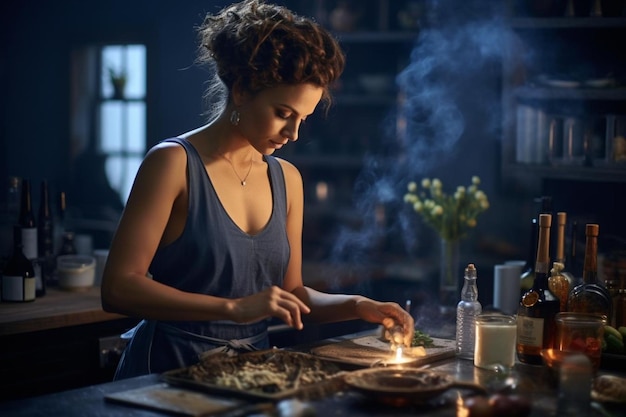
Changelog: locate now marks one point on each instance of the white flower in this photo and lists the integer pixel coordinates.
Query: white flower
(451, 215)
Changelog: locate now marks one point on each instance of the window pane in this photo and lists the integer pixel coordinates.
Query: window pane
(121, 172)
(132, 166)
(136, 127)
(111, 134)
(136, 64)
(129, 60)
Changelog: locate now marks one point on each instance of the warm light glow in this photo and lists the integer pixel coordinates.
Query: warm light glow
(399, 357)
(461, 409)
(321, 191)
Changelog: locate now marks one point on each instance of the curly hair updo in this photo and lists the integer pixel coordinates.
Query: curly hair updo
(254, 45)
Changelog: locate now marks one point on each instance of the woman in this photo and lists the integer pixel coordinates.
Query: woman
(209, 245)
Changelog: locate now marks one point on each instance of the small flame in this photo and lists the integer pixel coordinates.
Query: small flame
(399, 357)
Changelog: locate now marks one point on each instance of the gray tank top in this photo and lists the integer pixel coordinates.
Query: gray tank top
(212, 256)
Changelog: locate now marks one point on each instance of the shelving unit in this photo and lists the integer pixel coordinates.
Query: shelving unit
(574, 68)
(564, 109)
(332, 147)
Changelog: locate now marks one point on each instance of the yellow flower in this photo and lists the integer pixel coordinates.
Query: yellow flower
(450, 215)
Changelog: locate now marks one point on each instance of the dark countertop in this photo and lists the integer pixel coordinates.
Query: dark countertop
(533, 382)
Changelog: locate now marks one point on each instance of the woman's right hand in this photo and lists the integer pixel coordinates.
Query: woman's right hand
(271, 302)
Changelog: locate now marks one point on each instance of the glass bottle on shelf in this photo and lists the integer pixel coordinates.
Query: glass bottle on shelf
(591, 296)
(538, 306)
(27, 223)
(466, 311)
(9, 214)
(45, 238)
(28, 228)
(18, 275)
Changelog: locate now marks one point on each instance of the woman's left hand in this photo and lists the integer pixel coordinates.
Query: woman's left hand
(389, 315)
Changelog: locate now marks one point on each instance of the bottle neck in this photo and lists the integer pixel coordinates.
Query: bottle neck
(26, 212)
(470, 290)
(560, 239)
(542, 265)
(590, 269)
(44, 208)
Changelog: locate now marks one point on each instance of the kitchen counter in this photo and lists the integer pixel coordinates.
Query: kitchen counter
(532, 381)
(58, 342)
(56, 309)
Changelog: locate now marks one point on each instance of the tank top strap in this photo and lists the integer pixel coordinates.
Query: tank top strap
(279, 189)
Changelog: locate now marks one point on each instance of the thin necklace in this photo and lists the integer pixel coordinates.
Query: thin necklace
(241, 180)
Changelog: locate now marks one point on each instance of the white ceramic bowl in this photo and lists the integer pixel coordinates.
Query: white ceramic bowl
(76, 272)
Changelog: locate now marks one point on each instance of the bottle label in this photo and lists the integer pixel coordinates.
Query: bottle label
(29, 242)
(530, 331)
(17, 288)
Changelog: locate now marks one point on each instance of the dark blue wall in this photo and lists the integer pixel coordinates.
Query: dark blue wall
(36, 38)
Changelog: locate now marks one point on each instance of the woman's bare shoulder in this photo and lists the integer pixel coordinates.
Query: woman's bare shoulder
(289, 169)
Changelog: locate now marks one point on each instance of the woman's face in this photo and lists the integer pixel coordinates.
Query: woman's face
(272, 117)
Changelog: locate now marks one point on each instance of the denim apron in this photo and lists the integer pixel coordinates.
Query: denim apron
(212, 256)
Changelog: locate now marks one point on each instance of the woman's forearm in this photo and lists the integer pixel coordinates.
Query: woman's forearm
(327, 308)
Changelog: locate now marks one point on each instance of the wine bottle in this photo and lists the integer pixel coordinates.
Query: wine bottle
(27, 223)
(18, 276)
(560, 281)
(591, 296)
(528, 270)
(45, 239)
(538, 306)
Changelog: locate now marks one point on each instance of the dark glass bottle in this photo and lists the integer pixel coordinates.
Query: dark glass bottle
(27, 223)
(528, 270)
(18, 276)
(591, 296)
(538, 306)
(45, 239)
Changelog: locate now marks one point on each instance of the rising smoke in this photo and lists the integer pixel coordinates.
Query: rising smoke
(461, 42)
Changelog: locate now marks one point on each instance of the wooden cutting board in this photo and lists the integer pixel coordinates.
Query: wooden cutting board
(162, 397)
(371, 350)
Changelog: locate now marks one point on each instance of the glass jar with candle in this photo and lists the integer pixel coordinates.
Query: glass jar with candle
(496, 336)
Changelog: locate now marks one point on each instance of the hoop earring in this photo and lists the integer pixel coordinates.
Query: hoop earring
(235, 116)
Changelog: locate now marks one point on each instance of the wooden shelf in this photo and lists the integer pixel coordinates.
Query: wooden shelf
(567, 22)
(376, 37)
(552, 93)
(613, 173)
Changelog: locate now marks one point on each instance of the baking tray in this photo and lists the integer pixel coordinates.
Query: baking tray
(272, 374)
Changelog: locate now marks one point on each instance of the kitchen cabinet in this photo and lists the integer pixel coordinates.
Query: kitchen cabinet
(564, 110)
(57, 342)
(377, 37)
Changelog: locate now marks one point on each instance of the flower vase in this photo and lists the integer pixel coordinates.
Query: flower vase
(449, 268)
